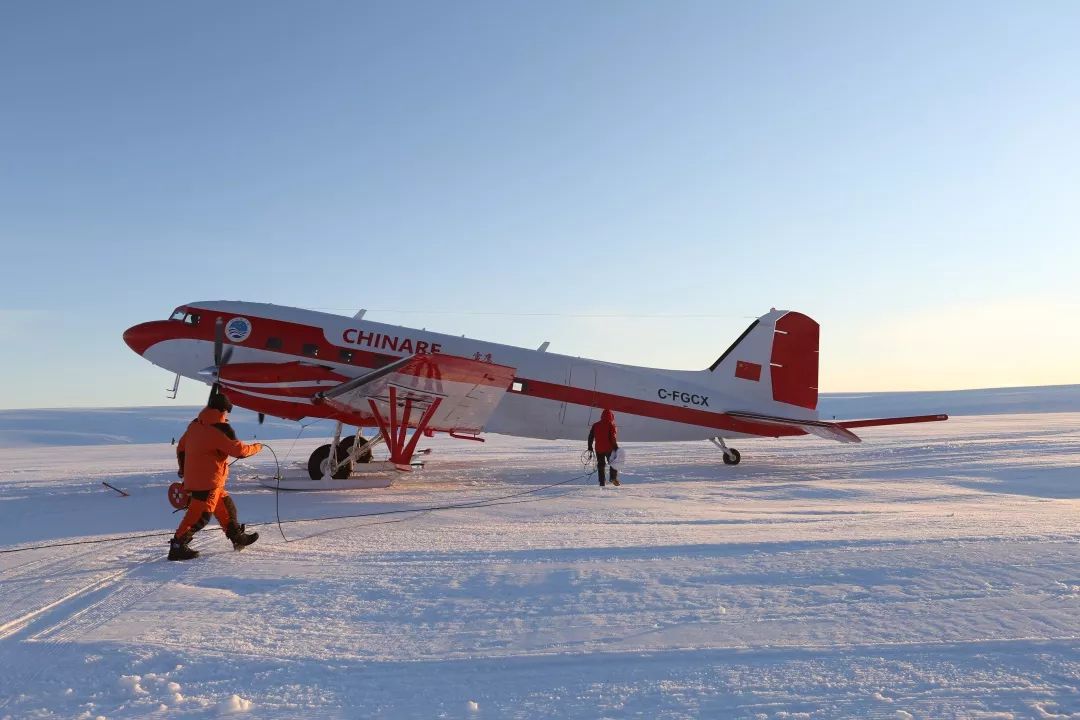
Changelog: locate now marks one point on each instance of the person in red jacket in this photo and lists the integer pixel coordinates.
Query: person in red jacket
(604, 437)
(203, 456)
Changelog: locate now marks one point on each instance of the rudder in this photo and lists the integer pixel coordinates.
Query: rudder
(794, 361)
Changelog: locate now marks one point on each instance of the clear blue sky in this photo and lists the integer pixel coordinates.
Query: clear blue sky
(906, 173)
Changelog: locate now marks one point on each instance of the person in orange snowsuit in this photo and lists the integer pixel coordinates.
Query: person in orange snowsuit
(203, 454)
(604, 436)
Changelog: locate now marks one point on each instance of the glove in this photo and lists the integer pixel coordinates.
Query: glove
(589, 453)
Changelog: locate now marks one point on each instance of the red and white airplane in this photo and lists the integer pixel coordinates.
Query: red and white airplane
(294, 363)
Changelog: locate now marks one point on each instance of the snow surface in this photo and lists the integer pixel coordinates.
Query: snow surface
(931, 572)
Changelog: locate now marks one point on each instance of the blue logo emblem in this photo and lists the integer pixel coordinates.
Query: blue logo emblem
(238, 329)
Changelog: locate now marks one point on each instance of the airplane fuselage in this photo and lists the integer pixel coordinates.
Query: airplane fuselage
(553, 396)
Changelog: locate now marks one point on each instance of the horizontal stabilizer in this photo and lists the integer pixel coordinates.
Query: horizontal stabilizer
(892, 421)
(821, 428)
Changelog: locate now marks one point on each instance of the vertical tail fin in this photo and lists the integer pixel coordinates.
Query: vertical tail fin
(774, 361)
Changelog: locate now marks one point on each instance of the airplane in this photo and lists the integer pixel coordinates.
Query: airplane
(294, 363)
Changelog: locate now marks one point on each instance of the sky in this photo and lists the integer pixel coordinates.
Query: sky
(632, 181)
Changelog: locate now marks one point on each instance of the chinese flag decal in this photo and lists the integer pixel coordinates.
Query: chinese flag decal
(748, 370)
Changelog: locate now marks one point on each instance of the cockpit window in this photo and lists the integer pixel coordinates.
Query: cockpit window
(184, 316)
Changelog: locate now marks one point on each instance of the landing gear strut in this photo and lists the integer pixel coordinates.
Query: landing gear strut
(731, 455)
(351, 450)
(393, 430)
(363, 446)
(336, 459)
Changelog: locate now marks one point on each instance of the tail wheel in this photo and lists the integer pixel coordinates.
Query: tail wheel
(346, 446)
(732, 457)
(320, 459)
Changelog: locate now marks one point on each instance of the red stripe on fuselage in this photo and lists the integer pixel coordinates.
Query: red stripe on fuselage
(651, 409)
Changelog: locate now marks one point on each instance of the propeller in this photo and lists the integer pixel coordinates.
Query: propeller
(222, 355)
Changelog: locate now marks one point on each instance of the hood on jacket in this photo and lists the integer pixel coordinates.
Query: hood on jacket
(210, 416)
(608, 417)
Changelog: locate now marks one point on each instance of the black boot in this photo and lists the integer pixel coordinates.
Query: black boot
(240, 539)
(614, 477)
(179, 550)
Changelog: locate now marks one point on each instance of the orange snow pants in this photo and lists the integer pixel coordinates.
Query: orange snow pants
(205, 503)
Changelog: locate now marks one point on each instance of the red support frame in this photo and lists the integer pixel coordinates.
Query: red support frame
(394, 432)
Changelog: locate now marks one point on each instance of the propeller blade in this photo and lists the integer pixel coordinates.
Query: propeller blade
(262, 418)
(219, 340)
(222, 355)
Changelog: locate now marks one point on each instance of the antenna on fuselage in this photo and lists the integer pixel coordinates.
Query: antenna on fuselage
(360, 314)
(543, 346)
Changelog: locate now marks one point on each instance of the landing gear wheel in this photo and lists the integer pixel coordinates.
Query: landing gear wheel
(345, 447)
(317, 464)
(732, 457)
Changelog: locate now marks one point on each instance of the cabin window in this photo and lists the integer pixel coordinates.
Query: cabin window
(345, 355)
(178, 314)
(310, 349)
(273, 343)
(191, 319)
(518, 386)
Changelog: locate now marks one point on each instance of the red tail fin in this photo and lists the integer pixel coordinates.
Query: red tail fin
(794, 361)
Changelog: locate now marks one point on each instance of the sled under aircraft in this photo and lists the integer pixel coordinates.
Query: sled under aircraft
(294, 364)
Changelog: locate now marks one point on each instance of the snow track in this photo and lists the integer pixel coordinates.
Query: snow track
(37, 586)
(918, 575)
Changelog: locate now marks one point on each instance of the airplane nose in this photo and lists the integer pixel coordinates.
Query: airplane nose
(142, 336)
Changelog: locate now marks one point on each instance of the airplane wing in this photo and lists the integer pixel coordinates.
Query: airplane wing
(464, 392)
(839, 431)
